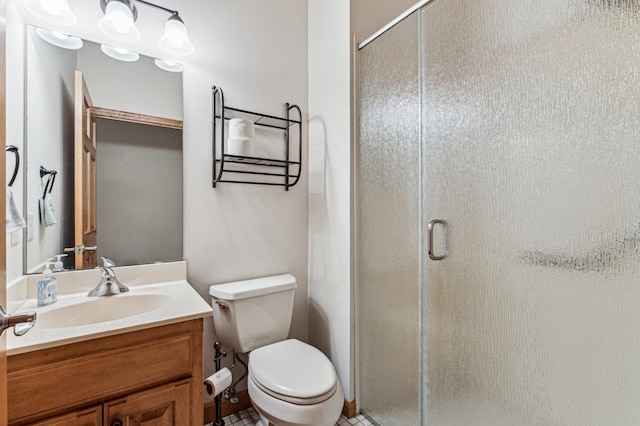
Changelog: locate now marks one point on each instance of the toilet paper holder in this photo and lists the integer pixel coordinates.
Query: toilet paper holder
(219, 354)
(230, 392)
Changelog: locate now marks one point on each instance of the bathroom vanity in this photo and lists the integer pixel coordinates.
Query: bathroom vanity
(139, 376)
(129, 368)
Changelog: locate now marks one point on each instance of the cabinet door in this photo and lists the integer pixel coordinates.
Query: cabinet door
(166, 405)
(88, 417)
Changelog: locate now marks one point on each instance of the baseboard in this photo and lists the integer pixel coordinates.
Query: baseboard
(227, 407)
(349, 409)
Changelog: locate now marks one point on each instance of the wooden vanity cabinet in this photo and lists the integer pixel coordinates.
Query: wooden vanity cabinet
(160, 406)
(88, 417)
(151, 376)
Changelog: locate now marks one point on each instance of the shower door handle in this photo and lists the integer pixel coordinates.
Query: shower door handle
(445, 226)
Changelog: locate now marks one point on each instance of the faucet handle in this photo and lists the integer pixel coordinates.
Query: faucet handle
(107, 263)
(109, 274)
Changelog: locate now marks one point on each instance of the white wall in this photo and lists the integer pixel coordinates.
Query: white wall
(330, 301)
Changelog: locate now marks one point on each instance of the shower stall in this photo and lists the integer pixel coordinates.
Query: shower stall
(498, 215)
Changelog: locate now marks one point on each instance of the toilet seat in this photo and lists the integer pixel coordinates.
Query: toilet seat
(294, 372)
(291, 399)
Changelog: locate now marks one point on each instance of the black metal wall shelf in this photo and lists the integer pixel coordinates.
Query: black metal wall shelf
(256, 170)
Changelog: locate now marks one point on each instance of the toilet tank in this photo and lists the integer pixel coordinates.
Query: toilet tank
(253, 313)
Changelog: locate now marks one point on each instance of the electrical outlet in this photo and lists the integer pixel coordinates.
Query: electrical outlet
(29, 226)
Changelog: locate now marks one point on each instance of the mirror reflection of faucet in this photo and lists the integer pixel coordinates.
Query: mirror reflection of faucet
(109, 285)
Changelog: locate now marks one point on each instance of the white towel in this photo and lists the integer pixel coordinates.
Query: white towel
(47, 211)
(15, 220)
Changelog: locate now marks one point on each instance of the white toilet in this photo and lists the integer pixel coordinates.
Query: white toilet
(290, 382)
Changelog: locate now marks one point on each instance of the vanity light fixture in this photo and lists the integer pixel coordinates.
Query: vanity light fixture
(59, 39)
(52, 11)
(119, 53)
(175, 39)
(167, 65)
(119, 23)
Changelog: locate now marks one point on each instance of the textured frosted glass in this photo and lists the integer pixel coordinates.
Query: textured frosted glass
(531, 138)
(388, 216)
(529, 148)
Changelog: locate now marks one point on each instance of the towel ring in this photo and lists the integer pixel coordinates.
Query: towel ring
(44, 172)
(49, 185)
(14, 149)
(50, 180)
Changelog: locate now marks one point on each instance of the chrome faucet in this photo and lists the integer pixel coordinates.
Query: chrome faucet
(109, 284)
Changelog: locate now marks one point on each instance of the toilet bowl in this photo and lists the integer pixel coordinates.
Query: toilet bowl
(292, 383)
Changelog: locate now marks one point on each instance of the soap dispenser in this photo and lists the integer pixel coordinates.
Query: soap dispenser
(47, 287)
(59, 266)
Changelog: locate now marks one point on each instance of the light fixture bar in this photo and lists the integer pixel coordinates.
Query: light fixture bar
(173, 12)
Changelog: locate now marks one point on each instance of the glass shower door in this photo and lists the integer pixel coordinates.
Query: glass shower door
(529, 130)
(515, 123)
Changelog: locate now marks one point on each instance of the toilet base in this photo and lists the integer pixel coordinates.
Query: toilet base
(282, 413)
(263, 421)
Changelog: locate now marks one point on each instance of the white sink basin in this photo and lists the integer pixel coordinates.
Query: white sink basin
(101, 310)
(159, 294)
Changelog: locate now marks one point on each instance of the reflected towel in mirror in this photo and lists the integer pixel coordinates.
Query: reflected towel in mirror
(47, 211)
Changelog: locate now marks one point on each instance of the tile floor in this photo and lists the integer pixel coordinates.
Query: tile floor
(249, 417)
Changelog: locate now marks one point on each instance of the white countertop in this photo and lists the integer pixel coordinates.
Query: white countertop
(173, 301)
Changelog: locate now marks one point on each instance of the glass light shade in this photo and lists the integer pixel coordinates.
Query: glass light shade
(118, 22)
(52, 11)
(119, 53)
(175, 39)
(169, 65)
(59, 39)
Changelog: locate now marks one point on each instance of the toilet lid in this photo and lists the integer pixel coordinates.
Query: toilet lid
(292, 368)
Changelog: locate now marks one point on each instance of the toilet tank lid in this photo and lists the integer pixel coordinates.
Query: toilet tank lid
(237, 290)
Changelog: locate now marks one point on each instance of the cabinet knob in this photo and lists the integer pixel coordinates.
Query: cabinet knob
(117, 422)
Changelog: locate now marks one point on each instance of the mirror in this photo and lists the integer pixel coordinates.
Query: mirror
(136, 192)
